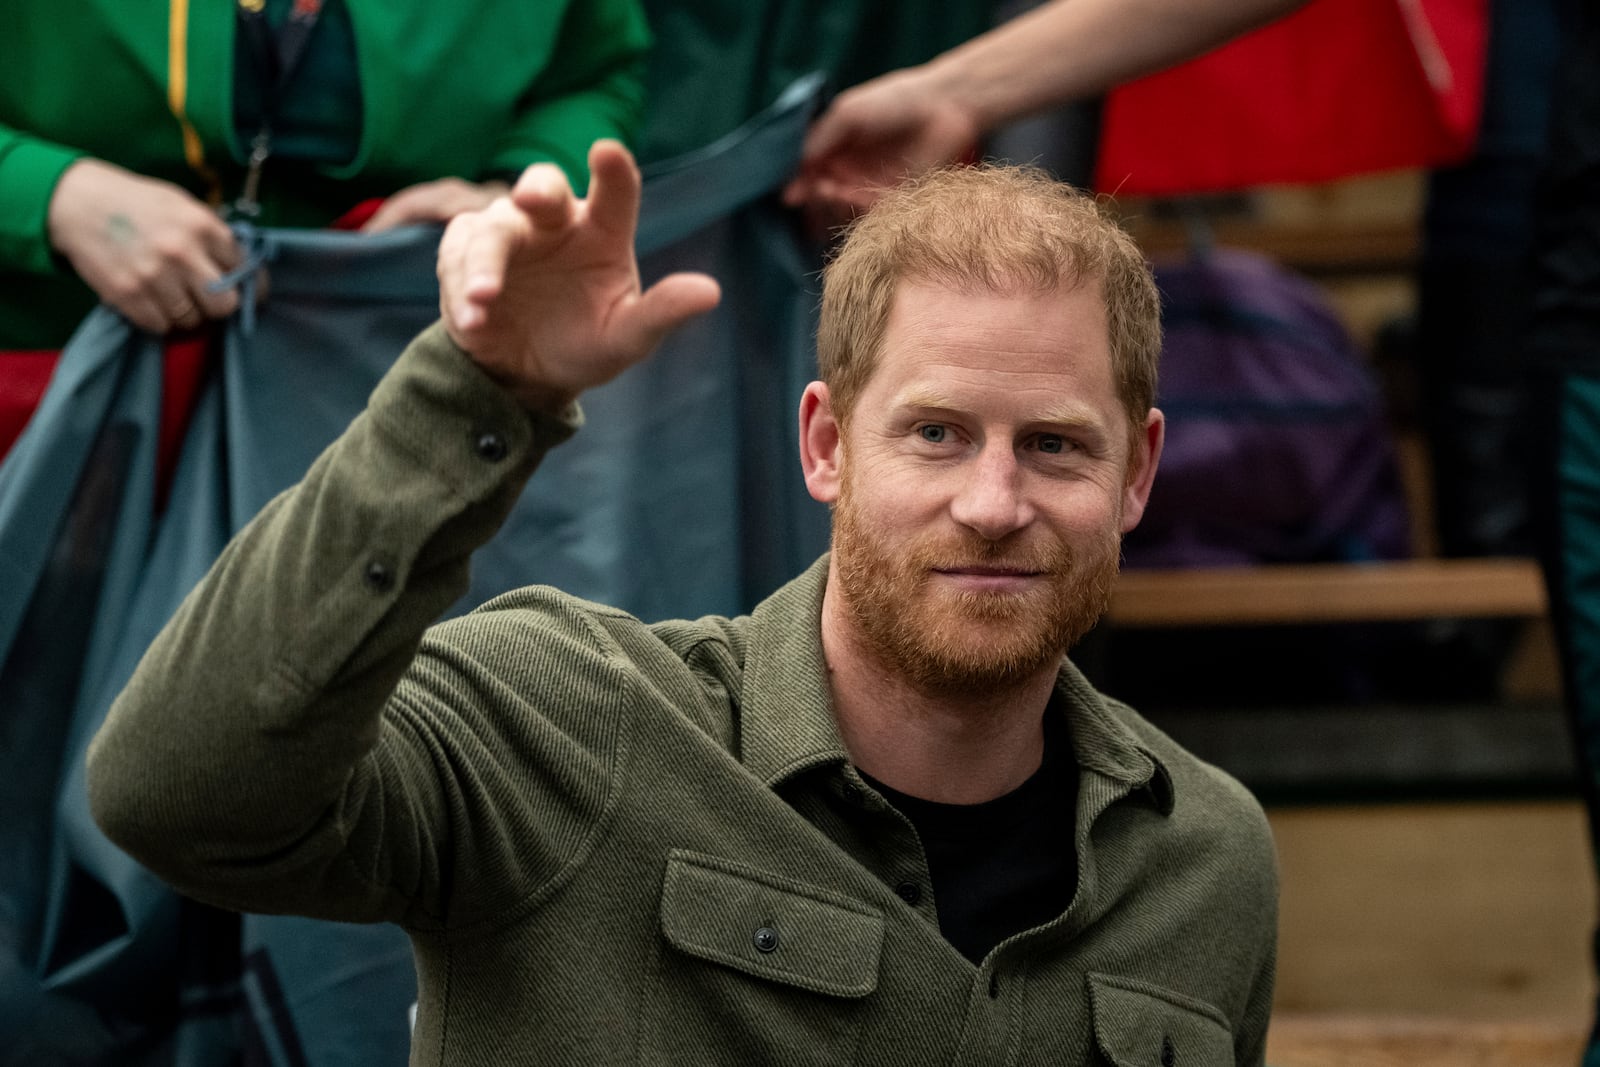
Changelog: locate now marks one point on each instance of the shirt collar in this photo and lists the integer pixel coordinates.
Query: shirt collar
(1102, 742)
(786, 714)
(786, 718)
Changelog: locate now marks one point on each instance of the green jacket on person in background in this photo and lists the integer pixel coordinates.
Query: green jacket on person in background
(474, 91)
(613, 842)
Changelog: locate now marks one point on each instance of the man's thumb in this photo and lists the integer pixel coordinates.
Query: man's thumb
(665, 306)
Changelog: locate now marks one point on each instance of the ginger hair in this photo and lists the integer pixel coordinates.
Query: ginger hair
(990, 228)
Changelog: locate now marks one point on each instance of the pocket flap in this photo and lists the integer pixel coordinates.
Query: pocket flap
(770, 926)
(1137, 1024)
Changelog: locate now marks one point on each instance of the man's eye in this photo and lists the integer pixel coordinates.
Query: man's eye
(1053, 444)
(934, 434)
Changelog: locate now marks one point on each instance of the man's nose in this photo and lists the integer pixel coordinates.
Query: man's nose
(990, 501)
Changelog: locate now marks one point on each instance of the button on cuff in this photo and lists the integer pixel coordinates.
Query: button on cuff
(378, 576)
(490, 446)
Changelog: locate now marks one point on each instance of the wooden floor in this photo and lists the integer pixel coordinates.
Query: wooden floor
(1354, 1041)
(1456, 910)
(1433, 935)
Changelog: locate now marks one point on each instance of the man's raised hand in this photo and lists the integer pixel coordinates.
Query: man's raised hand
(542, 290)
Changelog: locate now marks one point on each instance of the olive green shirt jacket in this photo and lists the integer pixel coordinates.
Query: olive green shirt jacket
(620, 843)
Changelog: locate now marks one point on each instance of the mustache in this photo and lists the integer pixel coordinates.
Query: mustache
(1005, 556)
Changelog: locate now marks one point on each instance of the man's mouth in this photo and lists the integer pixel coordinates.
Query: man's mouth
(989, 577)
(990, 570)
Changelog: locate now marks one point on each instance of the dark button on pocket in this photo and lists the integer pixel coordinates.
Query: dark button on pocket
(1136, 1022)
(910, 892)
(378, 576)
(491, 447)
(721, 912)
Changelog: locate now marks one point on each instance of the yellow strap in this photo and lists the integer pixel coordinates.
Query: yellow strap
(194, 152)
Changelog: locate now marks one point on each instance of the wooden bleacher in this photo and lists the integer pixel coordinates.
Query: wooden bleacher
(1399, 943)
(1360, 240)
(1328, 592)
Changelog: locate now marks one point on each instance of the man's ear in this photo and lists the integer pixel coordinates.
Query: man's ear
(821, 443)
(1142, 468)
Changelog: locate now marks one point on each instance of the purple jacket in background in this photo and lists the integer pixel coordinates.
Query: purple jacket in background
(1278, 447)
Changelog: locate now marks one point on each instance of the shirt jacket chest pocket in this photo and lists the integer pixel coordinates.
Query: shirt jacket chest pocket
(1137, 1024)
(755, 967)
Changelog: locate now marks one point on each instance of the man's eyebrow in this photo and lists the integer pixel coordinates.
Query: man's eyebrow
(1068, 414)
(922, 396)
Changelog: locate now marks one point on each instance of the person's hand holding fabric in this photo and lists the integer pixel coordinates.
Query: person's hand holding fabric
(874, 136)
(146, 247)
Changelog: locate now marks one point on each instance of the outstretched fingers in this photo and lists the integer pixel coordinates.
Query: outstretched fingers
(614, 189)
(542, 289)
(472, 260)
(474, 256)
(642, 322)
(478, 248)
(543, 194)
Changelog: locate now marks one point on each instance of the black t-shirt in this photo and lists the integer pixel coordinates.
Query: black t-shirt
(1005, 865)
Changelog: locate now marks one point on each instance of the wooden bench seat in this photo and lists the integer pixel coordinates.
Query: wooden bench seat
(1328, 592)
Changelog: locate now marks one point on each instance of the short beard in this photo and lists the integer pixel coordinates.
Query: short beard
(965, 642)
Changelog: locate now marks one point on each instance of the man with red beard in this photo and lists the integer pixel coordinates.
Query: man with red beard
(880, 820)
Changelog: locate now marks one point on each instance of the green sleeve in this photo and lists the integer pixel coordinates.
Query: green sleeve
(268, 754)
(592, 88)
(29, 169)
